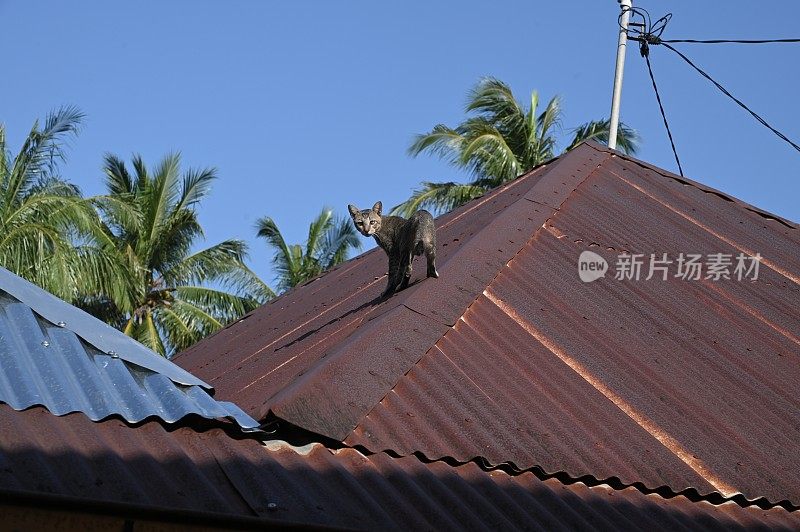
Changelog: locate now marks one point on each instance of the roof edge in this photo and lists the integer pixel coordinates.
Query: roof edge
(686, 181)
(277, 443)
(615, 483)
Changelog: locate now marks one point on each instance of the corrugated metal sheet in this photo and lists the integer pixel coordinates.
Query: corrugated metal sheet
(677, 383)
(688, 385)
(102, 336)
(46, 364)
(286, 354)
(185, 470)
(263, 353)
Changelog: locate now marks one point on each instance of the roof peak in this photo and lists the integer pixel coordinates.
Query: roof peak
(370, 362)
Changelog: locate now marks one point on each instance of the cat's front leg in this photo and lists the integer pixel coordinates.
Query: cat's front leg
(394, 273)
(390, 286)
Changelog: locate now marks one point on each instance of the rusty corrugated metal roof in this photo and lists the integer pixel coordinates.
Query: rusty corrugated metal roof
(182, 469)
(510, 358)
(265, 353)
(686, 384)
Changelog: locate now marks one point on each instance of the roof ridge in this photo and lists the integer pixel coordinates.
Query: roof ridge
(362, 386)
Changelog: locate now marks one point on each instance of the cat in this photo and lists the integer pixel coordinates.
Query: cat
(401, 239)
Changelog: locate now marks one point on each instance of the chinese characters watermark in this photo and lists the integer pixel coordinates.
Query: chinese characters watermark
(684, 266)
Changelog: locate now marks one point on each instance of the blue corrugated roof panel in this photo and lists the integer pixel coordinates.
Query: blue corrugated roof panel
(53, 365)
(100, 335)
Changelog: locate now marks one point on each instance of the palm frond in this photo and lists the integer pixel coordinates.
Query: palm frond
(196, 185)
(542, 148)
(163, 193)
(247, 284)
(152, 336)
(218, 305)
(438, 198)
(120, 211)
(550, 117)
(40, 152)
(102, 275)
(302, 268)
(171, 241)
(340, 238)
(531, 122)
(494, 103)
(210, 264)
(494, 99)
(441, 141)
(283, 259)
(145, 331)
(316, 231)
(142, 175)
(118, 180)
(487, 153)
(184, 324)
(5, 155)
(179, 330)
(627, 139)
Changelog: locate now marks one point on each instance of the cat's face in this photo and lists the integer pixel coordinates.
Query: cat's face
(367, 222)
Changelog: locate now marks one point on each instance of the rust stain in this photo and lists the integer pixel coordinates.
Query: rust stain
(553, 230)
(662, 436)
(467, 377)
(767, 262)
(753, 312)
(315, 317)
(273, 370)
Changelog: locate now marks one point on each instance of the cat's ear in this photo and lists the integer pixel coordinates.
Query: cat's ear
(353, 209)
(377, 208)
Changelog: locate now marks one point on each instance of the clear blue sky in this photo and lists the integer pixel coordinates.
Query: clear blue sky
(305, 104)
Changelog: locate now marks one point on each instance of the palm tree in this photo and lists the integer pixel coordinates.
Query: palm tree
(48, 232)
(501, 141)
(173, 297)
(329, 241)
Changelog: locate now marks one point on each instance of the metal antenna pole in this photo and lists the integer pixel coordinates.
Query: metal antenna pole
(617, 95)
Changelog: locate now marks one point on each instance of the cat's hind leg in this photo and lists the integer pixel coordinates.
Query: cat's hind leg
(407, 270)
(430, 256)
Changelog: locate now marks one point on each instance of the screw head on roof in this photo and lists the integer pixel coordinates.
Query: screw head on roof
(61, 324)
(272, 506)
(45, 343)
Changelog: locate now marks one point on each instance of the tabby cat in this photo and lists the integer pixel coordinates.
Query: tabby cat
(401, 239)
